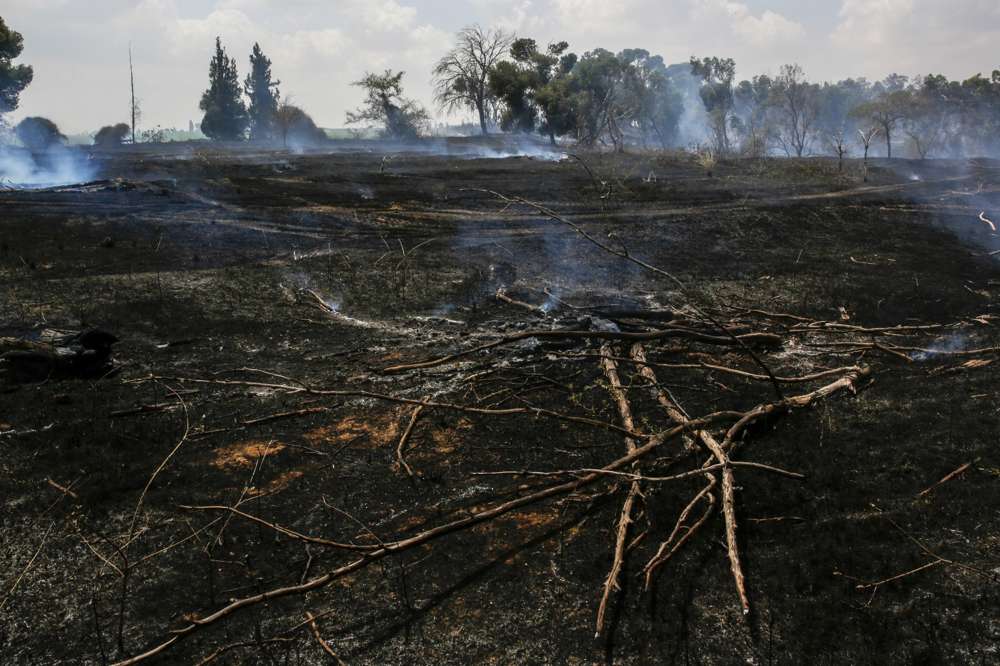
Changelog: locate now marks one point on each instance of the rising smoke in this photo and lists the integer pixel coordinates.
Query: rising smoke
(59, 165)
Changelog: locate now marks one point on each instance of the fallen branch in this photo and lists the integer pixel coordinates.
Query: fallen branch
(769, 339)
(651, 444)
(729, 513)
(625, 519)
(405, 437)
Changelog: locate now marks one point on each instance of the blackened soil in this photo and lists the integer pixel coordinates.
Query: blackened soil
(211, 264)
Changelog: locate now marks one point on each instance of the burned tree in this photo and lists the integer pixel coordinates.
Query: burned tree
(225, 114)
(38, 134)
(837, 142)
(110, 136)
(295, 127)
(462, 75)
(400, 117)
(885, 112)
(866, 137)
(795, 102)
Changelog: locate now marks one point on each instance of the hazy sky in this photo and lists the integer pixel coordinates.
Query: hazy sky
(79, 48)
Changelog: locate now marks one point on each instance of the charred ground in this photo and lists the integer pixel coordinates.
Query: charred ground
(223, 265)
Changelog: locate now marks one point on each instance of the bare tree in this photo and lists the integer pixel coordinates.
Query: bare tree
(795, 101)
(866, 140)
(462, 76)
(886, 112)
(837, 141)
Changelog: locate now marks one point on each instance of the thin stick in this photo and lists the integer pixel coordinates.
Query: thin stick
(662, 555)
(405, 437)
(947, 477)
(163, 464)
(935, 563)
(319, 639)
(27, 567)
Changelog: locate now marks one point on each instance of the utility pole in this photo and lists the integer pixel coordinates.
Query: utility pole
(131, 74)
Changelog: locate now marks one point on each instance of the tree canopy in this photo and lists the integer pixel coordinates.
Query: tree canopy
(263, 94)
(38, 134)
(225, 113)
(13, 78)
(110, 136)
(462, 75)
(399, 117)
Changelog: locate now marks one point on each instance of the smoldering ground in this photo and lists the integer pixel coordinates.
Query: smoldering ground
(207, 279)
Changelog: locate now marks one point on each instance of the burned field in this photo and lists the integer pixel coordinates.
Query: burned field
(433, 409)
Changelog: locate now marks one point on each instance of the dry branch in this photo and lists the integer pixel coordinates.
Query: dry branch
(652, 443)
(319, 639)
(625, 411)
(769, 339)
(405, 437)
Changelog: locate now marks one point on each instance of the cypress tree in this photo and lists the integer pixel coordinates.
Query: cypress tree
(263, 94)
(225, 114)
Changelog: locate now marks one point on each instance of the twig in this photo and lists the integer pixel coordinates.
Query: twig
(163, 464)
(405, 437)
(27, 567)
(319, 639)
(947, 477)
(286, 415)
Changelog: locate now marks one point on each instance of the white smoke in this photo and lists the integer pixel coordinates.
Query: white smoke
(20, 169)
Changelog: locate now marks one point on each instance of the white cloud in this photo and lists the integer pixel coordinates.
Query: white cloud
(957, 37)
(766, 29)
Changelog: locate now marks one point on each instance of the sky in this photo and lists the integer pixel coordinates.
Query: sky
(79, 48)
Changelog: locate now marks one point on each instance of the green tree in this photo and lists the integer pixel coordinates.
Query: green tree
(13, 78)
(263, 94)
(527, 87)
(225, 114)
(654, 107)
(384, 105)
(601, 98)
(717, 94)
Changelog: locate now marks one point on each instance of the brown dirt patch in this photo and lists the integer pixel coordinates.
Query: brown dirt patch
(374, 432)
(245, 454)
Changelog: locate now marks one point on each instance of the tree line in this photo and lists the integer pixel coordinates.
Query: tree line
(633, 98)
(603, 99)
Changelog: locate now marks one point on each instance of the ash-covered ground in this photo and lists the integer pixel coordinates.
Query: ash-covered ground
(246, 420)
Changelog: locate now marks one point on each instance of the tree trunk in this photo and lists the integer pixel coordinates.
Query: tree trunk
(481, 107)
(552, 138)
(888, 142)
